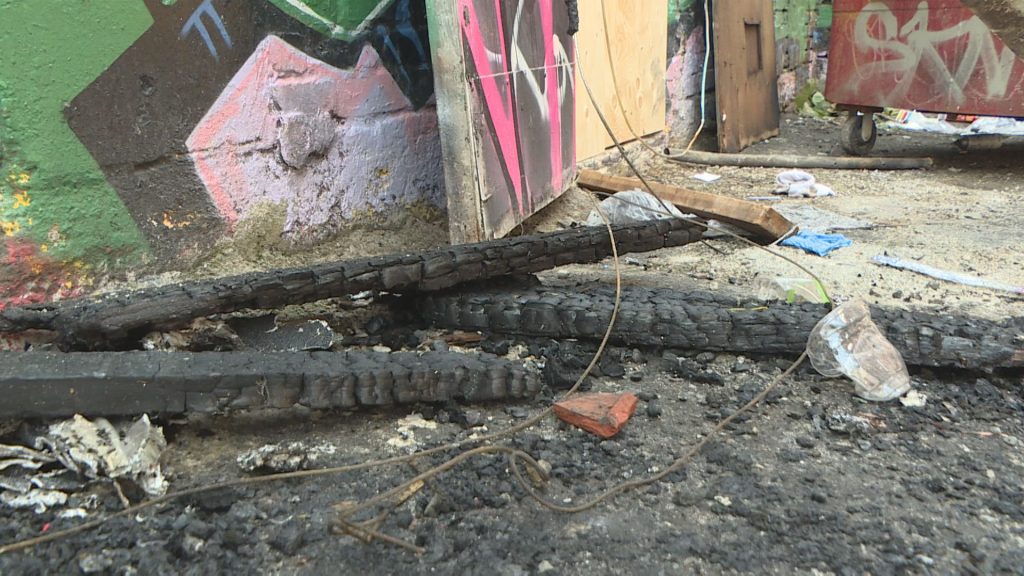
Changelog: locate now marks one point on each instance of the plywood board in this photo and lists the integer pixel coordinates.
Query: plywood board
(745, 82)
(638, 37)
(503, 76)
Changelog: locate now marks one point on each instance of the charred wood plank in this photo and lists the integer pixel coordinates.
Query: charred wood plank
(55, 384)
(121, 319)
(708, 321)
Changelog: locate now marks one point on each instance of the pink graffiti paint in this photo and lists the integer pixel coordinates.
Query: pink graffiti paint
(497, 101)
(325, 143)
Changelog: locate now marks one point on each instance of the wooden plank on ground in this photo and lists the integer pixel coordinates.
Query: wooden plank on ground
(762, 221)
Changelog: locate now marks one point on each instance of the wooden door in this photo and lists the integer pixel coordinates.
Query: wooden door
(503, 78)
(746, 92)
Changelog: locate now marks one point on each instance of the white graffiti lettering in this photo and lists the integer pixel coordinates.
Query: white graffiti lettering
(521, 71)
(913, 52)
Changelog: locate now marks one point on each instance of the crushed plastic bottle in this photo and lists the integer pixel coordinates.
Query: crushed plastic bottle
(847, 342)
(790, 290)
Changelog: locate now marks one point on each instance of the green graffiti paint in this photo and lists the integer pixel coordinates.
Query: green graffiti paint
(824, 15)
(341, 19)
(792, 21)
(677, 7)
(49, 51)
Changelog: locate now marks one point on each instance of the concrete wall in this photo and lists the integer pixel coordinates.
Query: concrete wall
(686, 49)
(135, 135)
(801, 39)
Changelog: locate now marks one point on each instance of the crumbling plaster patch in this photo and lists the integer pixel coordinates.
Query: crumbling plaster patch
(329, 144)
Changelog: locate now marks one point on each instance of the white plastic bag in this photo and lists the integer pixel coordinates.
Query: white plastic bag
(633, 206)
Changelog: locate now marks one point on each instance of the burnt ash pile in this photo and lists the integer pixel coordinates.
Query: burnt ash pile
(813, 479)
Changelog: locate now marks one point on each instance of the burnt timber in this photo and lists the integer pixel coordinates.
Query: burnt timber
(716, 322)
(56, 384)
(120, 320)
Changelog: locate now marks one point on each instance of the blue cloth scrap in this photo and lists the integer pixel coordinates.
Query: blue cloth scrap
(820, 244)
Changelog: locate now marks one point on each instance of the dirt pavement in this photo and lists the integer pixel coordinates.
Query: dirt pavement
(813, 481)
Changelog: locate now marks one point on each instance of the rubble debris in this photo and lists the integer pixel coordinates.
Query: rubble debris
(790, 290)
(965, 279)
(800, 184)
(813, 219)
(202, 335)
(407, 430)
(599, 413)
(914, 399)
(85, 451)
(762, 221)
(843, 422)
(846, 342)
(285, 456)
(39, 500)
(268, 334)
(54, 384)
(716, 322)
(95, 449)
(706, 177)
(816, 243)
(119, 320)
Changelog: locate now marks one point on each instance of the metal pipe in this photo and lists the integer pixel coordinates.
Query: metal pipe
(787, 161)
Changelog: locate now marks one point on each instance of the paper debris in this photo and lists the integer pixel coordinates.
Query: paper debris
(285, 457)
(706, 177)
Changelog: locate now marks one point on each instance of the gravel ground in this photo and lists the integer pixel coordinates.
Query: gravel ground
(813, 481)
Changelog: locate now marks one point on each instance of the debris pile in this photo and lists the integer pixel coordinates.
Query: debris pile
(78, 452)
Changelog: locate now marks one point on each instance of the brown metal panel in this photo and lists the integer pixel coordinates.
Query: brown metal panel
(745, 83)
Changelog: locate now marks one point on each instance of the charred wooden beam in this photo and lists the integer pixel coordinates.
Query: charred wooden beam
(717, 322)
(121, 319)
(54, 384)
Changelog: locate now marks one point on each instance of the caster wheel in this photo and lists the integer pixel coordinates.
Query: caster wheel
(853, 140)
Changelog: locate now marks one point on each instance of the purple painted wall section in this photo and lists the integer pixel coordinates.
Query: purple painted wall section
(683, 81)
(325, 143)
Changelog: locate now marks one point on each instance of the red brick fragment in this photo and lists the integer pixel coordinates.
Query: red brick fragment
(602, 414)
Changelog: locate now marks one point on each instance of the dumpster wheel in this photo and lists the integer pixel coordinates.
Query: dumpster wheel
(858, 138)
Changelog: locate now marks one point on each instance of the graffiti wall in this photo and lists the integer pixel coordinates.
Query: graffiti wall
(802, 31)
(686, 49)
(932, 55)
(518, 60)
(136, 134)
